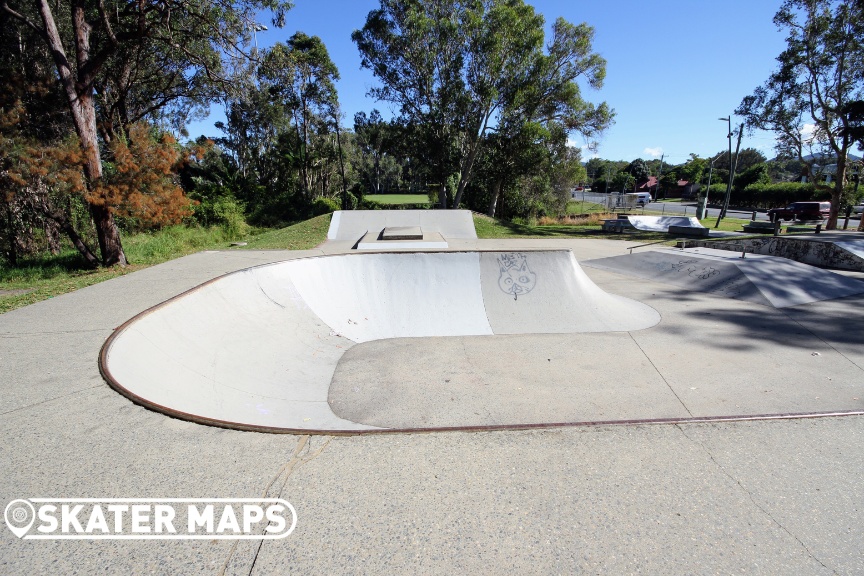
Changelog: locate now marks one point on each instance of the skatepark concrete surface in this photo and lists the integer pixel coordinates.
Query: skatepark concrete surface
(258, 348)
(763, 496)
(757, 278)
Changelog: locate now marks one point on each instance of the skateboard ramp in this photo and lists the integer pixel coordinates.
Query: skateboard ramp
(257, 349)
(662, 223)
(351, 225)
(766, 280)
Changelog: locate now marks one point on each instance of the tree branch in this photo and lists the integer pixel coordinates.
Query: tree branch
(23, 19)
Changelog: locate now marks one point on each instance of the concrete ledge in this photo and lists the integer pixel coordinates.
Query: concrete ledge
(377, 241)
(689, 231)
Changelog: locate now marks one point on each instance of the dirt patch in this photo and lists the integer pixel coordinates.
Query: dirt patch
(14, 292)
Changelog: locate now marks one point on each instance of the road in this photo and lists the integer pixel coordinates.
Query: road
(688, 208)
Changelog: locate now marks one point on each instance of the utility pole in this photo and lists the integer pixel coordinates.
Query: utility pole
(732, 168)
(659, 174)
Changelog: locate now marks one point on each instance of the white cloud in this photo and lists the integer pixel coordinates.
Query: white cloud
(653, 152)
(808, 132)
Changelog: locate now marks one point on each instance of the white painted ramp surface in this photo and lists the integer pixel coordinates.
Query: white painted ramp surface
(376, 296)
(258, 348)
(354, 224)
(548, 292)
(241, 349)
(662, 223)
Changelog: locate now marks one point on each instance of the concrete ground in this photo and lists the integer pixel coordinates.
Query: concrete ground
(750, 497)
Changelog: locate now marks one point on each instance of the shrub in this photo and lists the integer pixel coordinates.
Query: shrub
(774, 195)
(324, 206)
(231, 218)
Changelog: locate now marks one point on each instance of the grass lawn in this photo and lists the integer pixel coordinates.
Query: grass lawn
(393, 199)
(491, 228)
(580, 207)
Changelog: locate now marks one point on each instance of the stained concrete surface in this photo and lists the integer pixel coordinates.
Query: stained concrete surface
(766, 497)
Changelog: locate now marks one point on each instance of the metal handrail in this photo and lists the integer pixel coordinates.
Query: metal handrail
(631, 248)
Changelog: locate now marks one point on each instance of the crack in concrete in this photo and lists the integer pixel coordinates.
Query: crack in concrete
(18, 335)
(749, 494)
(302, 454)
(52, 399)
(818, 337)
(683, 405)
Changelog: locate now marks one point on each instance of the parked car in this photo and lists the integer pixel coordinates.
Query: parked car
(643, 198)
(801, 211)
(859, 209)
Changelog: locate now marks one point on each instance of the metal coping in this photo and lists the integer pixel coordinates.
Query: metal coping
(114, 384)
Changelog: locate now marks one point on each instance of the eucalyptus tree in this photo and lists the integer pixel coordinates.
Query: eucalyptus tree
(83, 39)
(806, 101)
(301, 76)
(547, 95)
(458, 68)
(372, 138)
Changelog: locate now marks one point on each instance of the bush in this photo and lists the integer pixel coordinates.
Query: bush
(324, 206)
(224, 211)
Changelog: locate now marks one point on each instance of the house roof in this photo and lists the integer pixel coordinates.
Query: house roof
(648, 184)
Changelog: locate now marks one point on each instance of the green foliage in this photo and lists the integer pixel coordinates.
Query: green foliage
(45, 276)
(774, 195)
(302, 235)
(638, 169)
(693, 169)
(756, 174)
(819, 77)
(747, 158)
(622, 182)
(323, 205)
(453, 66)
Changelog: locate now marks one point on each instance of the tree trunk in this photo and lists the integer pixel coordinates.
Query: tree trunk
(837, 192)
(496, 193)
(52, 236)
(442, 194)
(79, 94)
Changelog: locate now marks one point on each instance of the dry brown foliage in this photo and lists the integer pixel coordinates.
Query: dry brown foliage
(595, 219)
(139, 184)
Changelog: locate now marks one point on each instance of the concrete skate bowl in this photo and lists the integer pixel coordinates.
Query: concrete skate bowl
(257, 349)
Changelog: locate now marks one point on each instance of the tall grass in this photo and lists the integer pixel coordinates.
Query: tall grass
(593, 219)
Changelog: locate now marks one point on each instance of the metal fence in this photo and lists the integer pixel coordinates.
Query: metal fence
(612, 201)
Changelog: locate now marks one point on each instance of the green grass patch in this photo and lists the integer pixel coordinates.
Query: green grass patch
(394, 199)
(301, 236)
(492, 228)
(580, 207)
(46, 276)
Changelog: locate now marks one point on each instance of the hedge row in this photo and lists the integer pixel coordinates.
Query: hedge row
(768, 195)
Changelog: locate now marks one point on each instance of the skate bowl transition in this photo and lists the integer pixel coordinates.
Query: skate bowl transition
(662, 223)
(257, 349)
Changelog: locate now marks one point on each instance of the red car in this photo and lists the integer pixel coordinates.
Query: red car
(801, 211)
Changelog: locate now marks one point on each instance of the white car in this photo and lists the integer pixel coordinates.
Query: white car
(858, 209)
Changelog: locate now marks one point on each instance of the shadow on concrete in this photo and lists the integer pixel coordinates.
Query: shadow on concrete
(737, 327)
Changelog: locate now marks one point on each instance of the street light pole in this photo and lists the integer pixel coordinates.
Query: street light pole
(728, 119)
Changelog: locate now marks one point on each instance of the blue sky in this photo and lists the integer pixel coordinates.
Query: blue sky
(673, 66)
